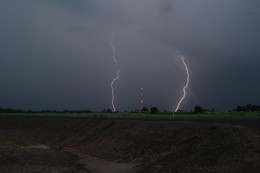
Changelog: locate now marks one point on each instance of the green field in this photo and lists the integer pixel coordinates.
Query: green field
(146, 115)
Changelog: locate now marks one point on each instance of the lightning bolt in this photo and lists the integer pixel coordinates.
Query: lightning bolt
(118, 71)
(186, 85)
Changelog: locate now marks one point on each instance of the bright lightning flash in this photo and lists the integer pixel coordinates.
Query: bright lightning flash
(118, 71)
(186, 85)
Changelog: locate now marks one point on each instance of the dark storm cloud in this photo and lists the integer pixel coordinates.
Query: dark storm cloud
(101, 10)
(55, 54)
(78, 7)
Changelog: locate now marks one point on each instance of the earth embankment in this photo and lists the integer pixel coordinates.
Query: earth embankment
(139, 146)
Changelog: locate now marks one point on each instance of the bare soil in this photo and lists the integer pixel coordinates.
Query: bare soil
(38, 144)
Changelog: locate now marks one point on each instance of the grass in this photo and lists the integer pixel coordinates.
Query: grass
(145, 115)
(9, 140)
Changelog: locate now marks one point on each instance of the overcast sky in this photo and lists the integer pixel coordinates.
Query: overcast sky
(56, 54)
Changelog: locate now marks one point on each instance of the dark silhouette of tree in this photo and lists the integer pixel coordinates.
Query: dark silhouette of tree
(247, 108)
(198, 109)
(154, 110)
(239, 108)
(144, 109)
(109, 110)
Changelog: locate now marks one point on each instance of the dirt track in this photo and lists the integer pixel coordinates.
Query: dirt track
(97, 165)
(34, 144)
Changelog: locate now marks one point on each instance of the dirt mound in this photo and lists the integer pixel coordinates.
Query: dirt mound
(144, 146)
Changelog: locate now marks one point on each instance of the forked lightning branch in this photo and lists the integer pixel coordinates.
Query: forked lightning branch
(187, 82)
(118, 71)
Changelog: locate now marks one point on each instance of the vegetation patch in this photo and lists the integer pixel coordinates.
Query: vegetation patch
(13, 141)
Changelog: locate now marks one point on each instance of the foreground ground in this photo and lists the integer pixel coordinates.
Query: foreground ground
(38, 144)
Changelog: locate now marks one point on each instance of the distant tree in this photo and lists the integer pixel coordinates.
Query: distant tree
(249, 107)
(154, 110)
(109, 110)
(198, 109)
(239, 108)
(144, 109)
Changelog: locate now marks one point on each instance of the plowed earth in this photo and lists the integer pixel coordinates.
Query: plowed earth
(38, 144)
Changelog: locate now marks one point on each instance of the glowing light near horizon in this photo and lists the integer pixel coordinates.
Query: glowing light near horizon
(142, 95)
(186, 85)
(118, 71)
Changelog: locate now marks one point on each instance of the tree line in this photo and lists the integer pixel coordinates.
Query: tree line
(247, 108)
(197, 109)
